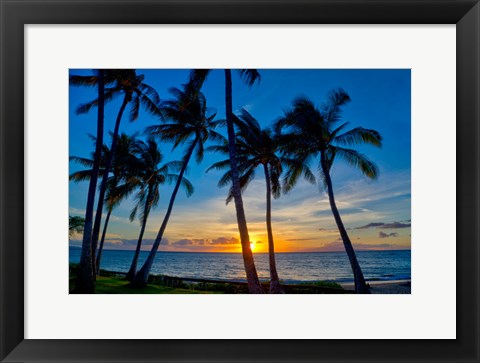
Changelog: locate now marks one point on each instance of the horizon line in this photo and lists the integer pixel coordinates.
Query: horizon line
(255, 253)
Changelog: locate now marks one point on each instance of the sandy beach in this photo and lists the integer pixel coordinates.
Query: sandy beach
(385, 287)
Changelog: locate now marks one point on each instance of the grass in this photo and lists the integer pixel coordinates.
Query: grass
(330, 284)
(112, 283)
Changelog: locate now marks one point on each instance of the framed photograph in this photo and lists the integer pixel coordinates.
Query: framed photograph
(242, 181)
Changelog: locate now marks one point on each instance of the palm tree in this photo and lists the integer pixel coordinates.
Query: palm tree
(136, 93)
(187, 120)
(85, 283)
(147, 181)
(258, 147)
(321, 137)
(249, 76)
(123, 162)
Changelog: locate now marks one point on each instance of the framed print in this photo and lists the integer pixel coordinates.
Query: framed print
(405, 75)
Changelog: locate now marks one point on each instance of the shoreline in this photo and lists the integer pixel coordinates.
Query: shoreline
(385, 287)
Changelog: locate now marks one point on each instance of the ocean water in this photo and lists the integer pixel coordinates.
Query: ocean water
(292, 267)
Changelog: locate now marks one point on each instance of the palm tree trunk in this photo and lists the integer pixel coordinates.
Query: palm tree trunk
(275, 286)
(133, 268)
(102, 241)
(103, 185)
(85, 283)
(141, 278)
(360, 285)
(254, 286)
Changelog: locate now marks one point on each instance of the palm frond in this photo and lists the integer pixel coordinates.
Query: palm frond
(357, 160)
(217, 137)
(275, 185)
(185, 183)
(196, 79)
(189, 189)
(244, 180)
(89, 81)
(223, 149)
(82, 175)
(133, 213)
(175, 165)
(331, 109)
(358, 136)
(249, 76)
(334, 133)
(225, 180)
(83, 108)
(134, 108)
(219, 123)
(151, 105)
(248, 120)
(150, 93)
(82, 161)
(220, 165)
(295, 169)
(112, 93)
(86, 107)
(199, 151)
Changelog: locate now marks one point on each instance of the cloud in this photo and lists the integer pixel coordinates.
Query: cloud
(124, 244)
(397, 225)
(203, 245)
(224, 241)
(393, 225)
(301, 239)
(205, 242)
(387, 235)
(193, 244)
(329, 230)
(128, 242)
(371, 225)
(183, 242)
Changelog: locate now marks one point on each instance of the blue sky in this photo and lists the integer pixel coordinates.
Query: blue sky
(302, 221)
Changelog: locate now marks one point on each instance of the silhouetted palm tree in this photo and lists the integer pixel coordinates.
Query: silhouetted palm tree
(135, 92)
(85, 283)
(187, 120)
(258, 147)
(249, 76)
(147, 183)
(313, 133)
(124, 161)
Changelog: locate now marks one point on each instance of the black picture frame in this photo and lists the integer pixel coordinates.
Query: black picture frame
(15, 14)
